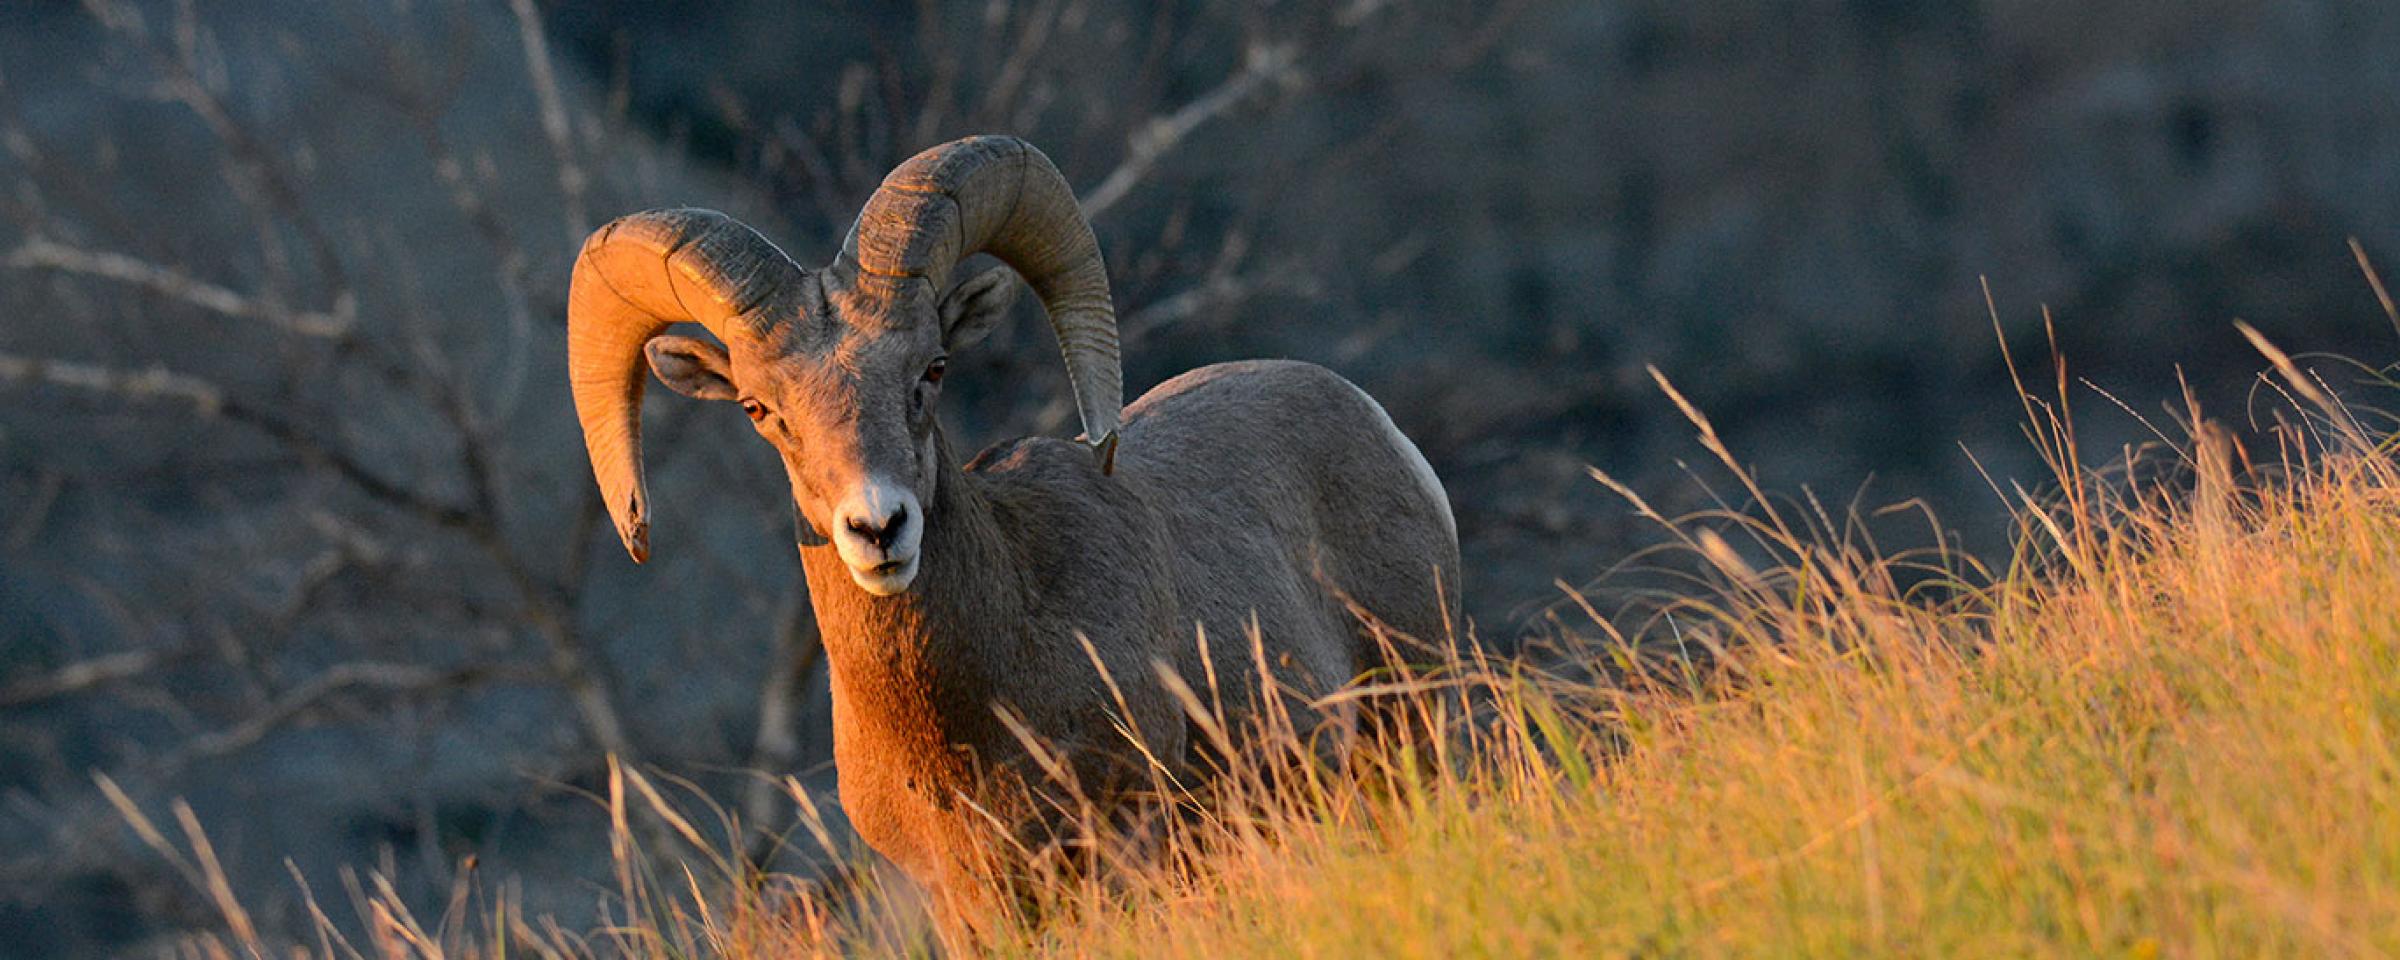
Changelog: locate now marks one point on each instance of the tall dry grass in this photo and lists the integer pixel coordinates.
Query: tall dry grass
(2169, 726)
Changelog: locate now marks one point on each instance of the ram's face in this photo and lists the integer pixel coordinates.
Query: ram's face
(839, 367)
(846, 395)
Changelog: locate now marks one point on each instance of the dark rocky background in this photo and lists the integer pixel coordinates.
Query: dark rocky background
(294, 522)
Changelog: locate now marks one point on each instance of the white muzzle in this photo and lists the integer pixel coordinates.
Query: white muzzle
(877, 530)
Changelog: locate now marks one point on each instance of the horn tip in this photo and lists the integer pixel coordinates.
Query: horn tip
(636, 535)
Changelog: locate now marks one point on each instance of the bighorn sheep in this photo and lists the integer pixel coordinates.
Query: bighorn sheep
(1262, 502)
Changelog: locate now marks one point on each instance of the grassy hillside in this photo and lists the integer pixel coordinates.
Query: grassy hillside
(2173, 730)
(2170, 728)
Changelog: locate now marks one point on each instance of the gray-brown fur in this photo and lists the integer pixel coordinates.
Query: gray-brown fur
(1266, 496)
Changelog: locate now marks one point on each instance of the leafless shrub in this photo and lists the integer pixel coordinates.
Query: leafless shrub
(291, 484)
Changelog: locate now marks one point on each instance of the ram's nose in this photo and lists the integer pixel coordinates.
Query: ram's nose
(877, 530)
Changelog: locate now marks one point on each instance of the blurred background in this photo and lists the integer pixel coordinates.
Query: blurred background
(295, 523)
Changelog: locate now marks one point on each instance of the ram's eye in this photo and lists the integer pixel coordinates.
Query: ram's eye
(935, 370)
(756, 411)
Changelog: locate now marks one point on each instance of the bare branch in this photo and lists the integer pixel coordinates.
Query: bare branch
(83, 675)
(36, 510)
(571, 658)
(390, 678)
(41, 254)
(1153, 140)
(156, 383)
(1216, 293)
(828, 195)
(575, 662)
(944, 69)
(555, 126)
(1013, 72)
(798, 647)
(1219, 290)
(257, 167)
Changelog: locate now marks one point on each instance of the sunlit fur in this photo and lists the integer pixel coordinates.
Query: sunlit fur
(1017, 637)
(1266, 496)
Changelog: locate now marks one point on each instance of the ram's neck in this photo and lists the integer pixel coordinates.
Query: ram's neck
(917, 656)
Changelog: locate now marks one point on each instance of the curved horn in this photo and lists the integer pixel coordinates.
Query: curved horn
(635, 276)
(999, 195)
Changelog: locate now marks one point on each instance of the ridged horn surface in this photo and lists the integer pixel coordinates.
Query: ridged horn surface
(636, 276)
(999, 195)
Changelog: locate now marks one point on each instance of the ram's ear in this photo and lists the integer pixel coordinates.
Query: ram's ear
(977, 305)
(694, 368)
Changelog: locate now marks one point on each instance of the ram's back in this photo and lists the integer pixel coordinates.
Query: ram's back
(1290, 501)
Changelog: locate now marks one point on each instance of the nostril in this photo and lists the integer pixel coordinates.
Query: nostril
(881, 535)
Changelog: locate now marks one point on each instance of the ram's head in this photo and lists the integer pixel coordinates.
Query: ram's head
(839, 368)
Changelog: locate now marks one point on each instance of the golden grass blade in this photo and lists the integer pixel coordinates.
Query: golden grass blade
(2309, 389)
(220, 890)
(2375, 280)
(666, 812)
